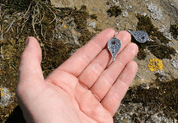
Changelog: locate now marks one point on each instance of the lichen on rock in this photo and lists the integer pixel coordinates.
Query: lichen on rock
(155, 64)
(156, 13)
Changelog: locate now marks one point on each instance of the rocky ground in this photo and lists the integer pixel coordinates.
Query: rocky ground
(152, 96)
(162, 14)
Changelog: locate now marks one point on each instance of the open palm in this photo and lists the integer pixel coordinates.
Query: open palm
(87, 88)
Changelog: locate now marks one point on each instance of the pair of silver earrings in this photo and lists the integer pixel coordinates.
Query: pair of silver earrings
(114, 44)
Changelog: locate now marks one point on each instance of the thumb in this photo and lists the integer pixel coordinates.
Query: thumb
(30, 73)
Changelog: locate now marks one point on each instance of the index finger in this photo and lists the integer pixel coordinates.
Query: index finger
(82, 57)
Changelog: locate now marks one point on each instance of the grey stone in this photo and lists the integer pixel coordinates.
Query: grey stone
(5, 99)
(156, 13)
(175, 63)
(117, 3)
(125, 13)
(94, 9)
(92, 24)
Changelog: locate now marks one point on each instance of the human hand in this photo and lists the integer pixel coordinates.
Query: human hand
(87, 88)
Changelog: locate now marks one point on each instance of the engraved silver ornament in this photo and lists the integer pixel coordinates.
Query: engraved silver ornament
(114, 46)
(139, 36)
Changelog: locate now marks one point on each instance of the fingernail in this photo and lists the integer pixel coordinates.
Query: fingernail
(27, 41)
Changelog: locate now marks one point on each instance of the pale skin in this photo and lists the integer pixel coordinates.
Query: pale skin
(87, 88)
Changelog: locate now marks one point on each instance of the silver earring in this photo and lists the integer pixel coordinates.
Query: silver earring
(139, 36)
(114, 46)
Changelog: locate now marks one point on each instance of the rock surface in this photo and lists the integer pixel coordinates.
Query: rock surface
(63, 3)
(163, 13)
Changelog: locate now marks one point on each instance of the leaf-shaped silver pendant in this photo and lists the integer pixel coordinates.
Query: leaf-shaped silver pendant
(114, 46)
(140, 36)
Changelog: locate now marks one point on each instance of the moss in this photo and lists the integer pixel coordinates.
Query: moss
(163, 51)
(142, 54)
(174, 30)
(80, 18)
(83, 7)
(15, 5)
(142, 49)
(93, 16)
(12, 50)
(114, 11)
(65, 12)
(164, 99)
(146, 25)
(56, 53)
(97, 29)
(85, 36)
(107, 3)
(169, 96)
(46, 26)
(5, 111)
